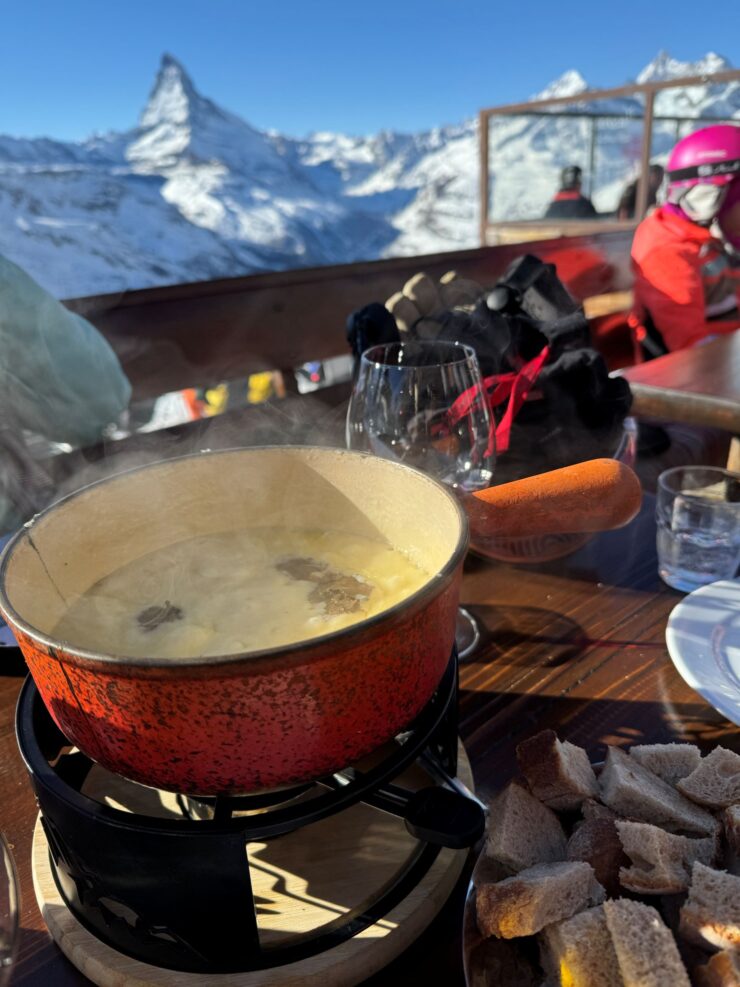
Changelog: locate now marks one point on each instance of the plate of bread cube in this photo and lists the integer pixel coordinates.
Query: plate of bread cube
(623, 873)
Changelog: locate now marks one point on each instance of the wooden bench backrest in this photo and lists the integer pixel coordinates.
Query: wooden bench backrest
(197, 334)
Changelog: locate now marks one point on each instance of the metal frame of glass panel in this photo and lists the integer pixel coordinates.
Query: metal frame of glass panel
(558, 107)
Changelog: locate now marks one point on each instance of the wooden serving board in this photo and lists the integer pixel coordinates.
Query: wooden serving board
(302, 881)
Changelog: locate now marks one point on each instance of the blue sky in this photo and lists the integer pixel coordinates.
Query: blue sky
(71, 67)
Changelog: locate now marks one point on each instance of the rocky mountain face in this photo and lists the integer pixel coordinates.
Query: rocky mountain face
(194, 192)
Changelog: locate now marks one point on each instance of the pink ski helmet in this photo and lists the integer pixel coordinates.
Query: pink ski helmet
(710, 158)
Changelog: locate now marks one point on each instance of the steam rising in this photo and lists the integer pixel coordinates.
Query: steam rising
(294, 420)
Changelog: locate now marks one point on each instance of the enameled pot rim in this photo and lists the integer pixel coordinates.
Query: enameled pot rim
(300, 651)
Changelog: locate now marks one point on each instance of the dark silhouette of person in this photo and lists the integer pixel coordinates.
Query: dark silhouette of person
(569, 203)
(628, 202)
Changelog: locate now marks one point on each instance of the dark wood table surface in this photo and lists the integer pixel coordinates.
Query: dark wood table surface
(700, 386)
(577, 645)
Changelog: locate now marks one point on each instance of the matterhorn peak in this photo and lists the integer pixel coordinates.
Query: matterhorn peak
(172, 96)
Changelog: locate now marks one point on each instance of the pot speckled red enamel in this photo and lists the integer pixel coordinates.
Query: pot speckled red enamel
(244, 722)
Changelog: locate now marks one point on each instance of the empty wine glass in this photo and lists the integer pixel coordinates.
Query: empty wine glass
(422, 403)
(8, 912)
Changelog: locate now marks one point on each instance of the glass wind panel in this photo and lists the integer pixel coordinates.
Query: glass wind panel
(528, 152)
(678, 112)
(694, 106)
(617, 154)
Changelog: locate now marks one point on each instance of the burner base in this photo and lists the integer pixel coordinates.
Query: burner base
(301, 882)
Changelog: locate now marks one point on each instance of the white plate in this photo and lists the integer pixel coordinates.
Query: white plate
(703, 638)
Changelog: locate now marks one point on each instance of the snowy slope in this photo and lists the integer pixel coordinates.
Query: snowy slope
(195, 192)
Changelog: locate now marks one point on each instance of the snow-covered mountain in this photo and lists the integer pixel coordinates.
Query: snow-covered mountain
(194, 192)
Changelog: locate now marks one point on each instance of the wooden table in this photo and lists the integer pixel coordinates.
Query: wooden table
(576, 645)
(699, 386)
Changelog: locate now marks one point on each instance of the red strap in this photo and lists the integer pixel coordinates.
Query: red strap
(514, 386)
(520, 388)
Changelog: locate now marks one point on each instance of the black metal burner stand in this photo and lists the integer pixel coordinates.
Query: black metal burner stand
(177, 893)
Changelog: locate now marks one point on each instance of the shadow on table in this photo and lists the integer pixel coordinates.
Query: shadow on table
(436, 956)
(626, 557)
(34, 958)
(549, 638)
(536, 637)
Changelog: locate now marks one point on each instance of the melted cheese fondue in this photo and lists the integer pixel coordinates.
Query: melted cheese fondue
(236, 592)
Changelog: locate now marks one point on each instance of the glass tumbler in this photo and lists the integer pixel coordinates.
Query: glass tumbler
(698, 518)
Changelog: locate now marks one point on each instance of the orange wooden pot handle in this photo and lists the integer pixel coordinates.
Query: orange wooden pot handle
(597, 495)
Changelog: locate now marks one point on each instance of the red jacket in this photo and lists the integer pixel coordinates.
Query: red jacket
(683, 279)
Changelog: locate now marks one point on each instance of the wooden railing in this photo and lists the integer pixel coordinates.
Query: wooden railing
(198, 334)
(194, 335)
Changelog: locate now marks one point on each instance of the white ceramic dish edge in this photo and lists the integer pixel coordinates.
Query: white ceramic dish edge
(700, 656)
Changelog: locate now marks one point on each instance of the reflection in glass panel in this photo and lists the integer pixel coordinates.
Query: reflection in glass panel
(616, 163)
(194, 403)
(528, 153)
(707, 103)
(178, 407)
(678, 112)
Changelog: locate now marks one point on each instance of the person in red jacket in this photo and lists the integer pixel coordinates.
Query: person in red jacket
(569, 202)
(686, 276)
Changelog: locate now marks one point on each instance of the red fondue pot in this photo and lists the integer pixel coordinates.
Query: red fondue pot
(241, 722)
(263, 719)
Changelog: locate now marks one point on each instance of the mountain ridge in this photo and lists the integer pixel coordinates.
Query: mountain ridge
(194, 192)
